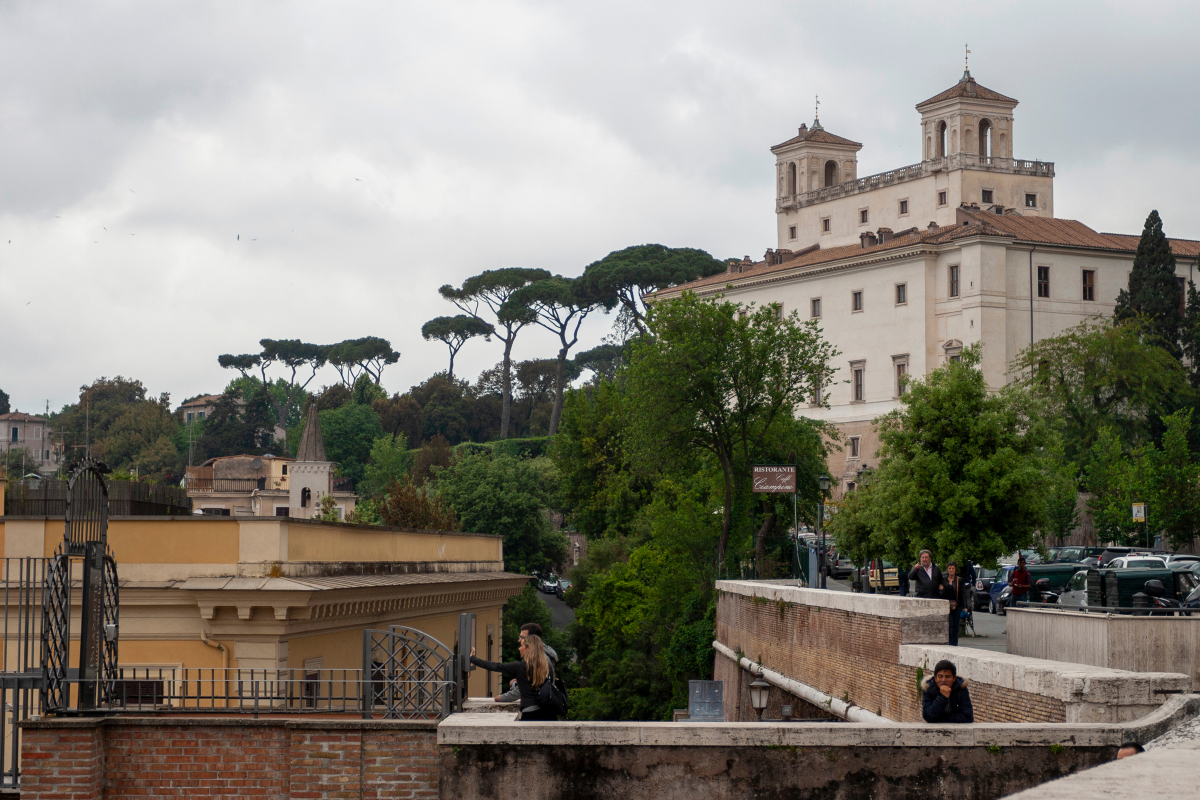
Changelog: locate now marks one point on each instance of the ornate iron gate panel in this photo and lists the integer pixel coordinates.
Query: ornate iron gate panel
(408, 674)
(85, 542)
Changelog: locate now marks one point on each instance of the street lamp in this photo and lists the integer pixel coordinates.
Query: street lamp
(822, 482)
(759, 690)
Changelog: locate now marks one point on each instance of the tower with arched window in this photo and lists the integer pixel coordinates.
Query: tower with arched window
(967, 118)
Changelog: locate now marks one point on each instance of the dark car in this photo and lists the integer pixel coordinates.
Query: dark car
(983, 586)
(563, 586)
(996, 594)
(1115, 552)
(1076, 553)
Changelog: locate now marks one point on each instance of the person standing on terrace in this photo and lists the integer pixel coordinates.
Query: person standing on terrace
(531, 672)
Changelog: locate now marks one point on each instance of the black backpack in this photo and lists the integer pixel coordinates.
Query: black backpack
(553, 694)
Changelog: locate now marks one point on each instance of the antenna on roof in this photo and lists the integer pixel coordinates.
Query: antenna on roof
(817, 114)
(967, 58)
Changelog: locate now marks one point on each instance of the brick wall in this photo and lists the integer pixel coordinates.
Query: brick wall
(275, 758)
(850, 654)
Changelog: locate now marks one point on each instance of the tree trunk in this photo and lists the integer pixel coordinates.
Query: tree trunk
(760, 541)
(450, 372)
(727, 520)
(506, 383)
(559, 374)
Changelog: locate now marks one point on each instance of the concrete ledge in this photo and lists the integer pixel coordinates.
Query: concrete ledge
(876, 605)
(491, 729)
(1093, 694)
(230, 721)
(488, 705)
(1161, 772)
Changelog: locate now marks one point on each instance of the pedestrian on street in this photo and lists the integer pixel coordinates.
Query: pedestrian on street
(945, 697)
(926, 578)
(531, 672)
(513, 694)
(954, 589)
(1019, 582)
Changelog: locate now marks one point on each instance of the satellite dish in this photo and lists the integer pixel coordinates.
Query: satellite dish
(256, 463)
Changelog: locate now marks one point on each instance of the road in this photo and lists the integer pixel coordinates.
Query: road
(561, 614)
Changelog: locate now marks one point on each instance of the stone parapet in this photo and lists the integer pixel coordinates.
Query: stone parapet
(1088, 693)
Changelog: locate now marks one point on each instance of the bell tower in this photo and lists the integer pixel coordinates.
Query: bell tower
(967, 118)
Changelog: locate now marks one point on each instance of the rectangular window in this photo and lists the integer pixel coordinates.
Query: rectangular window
(941, 198)
(190, 416)
(200, 415)
(854, 447)
(1182, 284)
(856, 383)
(47, 456)
(791, 231)
(816, 308)
(817, 390)
(901, 293)
(1043, 281)
(282, 511)
(14, 434)
(825, 225)
(901, 371)
(285, 470)
(863, 216)
(987, 195)
(903, 207)
(1031, 201)
(856, 301)
(1089, 284)
(954, 281)
(778, 310)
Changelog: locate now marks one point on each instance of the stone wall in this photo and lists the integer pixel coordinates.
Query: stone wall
(874, 650)
(1124, 642)
(123, 757)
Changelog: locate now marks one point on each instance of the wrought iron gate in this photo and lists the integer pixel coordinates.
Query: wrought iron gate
(408, 674)
(85, 542)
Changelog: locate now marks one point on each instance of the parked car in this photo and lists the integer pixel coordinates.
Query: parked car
(1137, 562)
(550, 584)
(1076, 553)
(563, 586)
(1113, 552)
(840, 566)
(983, 586)
(1180, 559)
(1057, 577)
(1075, 594)
(867, 578)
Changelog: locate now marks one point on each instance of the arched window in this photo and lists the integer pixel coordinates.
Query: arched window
(791, 179)
(985, 138)
(941, 146)
(830, 173)
(305, 497)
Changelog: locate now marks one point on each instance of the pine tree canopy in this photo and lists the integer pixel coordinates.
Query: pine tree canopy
(1153, 291)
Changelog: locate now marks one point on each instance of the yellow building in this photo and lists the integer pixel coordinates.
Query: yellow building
(275, 592)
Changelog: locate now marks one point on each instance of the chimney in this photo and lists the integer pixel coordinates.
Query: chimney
(803, 128)
(867, 239)
(885, 235)
(933, 226)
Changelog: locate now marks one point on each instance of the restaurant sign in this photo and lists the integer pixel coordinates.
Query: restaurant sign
(774, 478)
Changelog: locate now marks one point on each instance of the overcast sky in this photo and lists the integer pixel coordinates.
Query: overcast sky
(366, 154)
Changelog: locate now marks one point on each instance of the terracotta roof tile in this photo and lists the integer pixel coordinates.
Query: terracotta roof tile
(21, 416)
(968, 88)
(1037, 230)
(819, 136)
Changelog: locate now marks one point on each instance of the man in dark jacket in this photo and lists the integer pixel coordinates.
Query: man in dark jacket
(926, 578)
(513, 694)
(945, 697)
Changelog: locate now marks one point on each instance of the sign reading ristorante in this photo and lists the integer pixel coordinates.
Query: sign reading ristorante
(774, 479)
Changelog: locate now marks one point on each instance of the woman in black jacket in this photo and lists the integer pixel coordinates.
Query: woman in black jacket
(954, 589)
(531, 672)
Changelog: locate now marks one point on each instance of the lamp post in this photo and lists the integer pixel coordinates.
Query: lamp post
(822, 482)
(759, 691)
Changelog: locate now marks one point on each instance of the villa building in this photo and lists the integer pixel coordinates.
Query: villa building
(905, 268)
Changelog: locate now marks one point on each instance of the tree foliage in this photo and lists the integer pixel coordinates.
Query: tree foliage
(355, 358)
(624, 277)
(509, 497)
(715, 377)
(294, 356)
(1153, 292)
(4, 406)
(390, 460)
(454, 332)
(349, 433)
(963, 472)
(491, 290)
(406, 505)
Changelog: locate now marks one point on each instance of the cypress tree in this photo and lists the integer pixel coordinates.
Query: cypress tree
(1153, 291)
(1189, 334)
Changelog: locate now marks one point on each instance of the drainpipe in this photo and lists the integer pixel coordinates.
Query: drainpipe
(224, 650)
(1031, 299)
(847, 711)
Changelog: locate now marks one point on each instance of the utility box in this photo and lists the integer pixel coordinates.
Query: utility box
(706, 701)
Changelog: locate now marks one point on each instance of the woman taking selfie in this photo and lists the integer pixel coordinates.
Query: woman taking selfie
(531, 672)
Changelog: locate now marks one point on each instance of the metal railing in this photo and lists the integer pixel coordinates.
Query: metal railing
(203, 484)
(48, 498)
(21, 677)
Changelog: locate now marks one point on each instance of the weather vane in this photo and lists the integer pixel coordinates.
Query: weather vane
(967, 58)
(817, 113)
